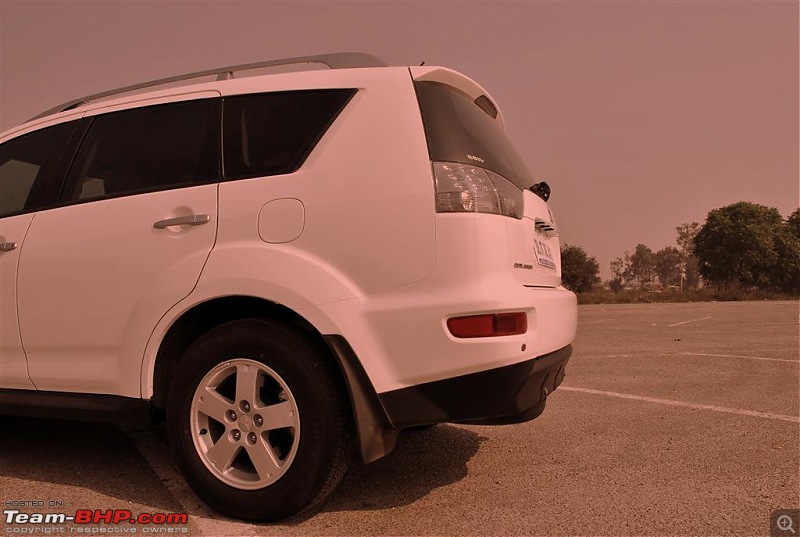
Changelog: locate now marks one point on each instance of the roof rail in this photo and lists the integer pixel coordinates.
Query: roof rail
(334, 60)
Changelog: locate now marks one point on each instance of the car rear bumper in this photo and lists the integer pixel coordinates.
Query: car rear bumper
(510, 394)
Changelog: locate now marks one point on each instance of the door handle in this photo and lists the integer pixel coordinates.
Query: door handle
(7, 246)
(191, 220)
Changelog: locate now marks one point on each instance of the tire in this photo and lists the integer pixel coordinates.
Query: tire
(258, 420)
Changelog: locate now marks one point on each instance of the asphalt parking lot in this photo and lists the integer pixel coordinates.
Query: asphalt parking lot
(674, 419)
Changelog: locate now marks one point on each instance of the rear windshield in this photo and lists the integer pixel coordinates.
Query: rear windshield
(458, 130)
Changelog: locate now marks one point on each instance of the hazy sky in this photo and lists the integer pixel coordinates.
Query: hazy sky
(640, 115)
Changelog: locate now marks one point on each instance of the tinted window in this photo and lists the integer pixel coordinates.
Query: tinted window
(26, 160)
(458, 128)
(146, 149)
(273, 133)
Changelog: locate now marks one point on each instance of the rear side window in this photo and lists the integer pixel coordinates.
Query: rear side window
(462, 130)
(146, 149)
(273, 133)
(26, 160)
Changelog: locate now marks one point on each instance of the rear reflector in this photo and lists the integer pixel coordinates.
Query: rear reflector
(490, 325)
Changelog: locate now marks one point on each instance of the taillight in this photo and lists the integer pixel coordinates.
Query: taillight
(489, 325)
(461, 188)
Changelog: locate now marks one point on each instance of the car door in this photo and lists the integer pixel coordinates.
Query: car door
(27, 164)
(136, 224)
(13, 366)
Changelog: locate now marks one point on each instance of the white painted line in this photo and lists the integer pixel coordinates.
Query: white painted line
(158, 457)
(606, 355)
(739, 411)
(661, 355)
(739, 356)
(690, 321)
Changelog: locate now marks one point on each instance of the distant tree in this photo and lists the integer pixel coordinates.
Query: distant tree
(579, 272)
(618, 269)
(642, 265)
(785, 274)
(615, 285)
(793, 223)
(690, 277)
(686, 234)
(621, 268)
(667, 263)
(737, 245)
(690, 274)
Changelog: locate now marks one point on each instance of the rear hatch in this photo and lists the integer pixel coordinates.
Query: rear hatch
(475, 162)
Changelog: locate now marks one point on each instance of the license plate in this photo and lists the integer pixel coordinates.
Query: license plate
(544, 255)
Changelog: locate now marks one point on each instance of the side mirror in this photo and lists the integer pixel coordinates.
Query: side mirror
(542, 190)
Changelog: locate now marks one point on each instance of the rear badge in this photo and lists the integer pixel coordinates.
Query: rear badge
(543, 254)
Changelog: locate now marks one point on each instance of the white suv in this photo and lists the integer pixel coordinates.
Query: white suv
(287, 266)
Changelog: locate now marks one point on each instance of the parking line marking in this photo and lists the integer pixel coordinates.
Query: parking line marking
(739, 356)
(697, 406)
(659, 355)
(606, 355)
(156, 455)
(690, 321)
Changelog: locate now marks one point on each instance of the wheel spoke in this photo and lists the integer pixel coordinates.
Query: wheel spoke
(278, 416)
(264, 460)
(223, 453)
(247, 383)
(213, 405)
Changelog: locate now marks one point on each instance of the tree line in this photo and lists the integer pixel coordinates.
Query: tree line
(740, 246)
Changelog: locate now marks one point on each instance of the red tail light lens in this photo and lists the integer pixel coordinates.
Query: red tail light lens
(461, 188)
(489, 325)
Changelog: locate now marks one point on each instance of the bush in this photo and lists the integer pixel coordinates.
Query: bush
(636, 296)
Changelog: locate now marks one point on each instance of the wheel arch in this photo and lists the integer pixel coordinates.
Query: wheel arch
(199, 319)
(376, 435)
